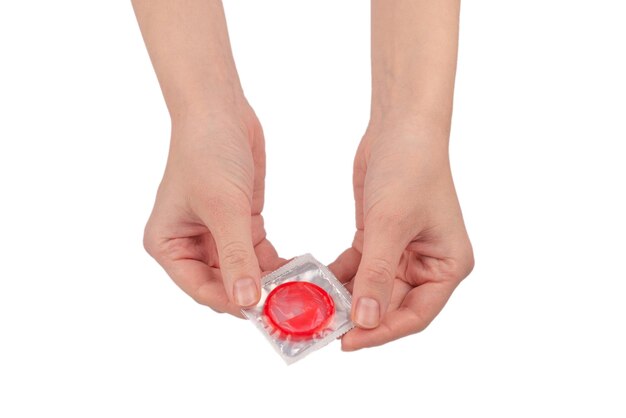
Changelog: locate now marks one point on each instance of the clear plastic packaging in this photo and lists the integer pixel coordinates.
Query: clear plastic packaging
(302, 308)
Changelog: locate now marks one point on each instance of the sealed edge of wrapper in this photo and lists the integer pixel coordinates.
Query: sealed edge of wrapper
(341, 292)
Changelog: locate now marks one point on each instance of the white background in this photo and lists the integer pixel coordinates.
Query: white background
(90, 326)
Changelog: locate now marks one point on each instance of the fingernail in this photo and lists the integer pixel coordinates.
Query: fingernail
(245, 292)
(367, 313)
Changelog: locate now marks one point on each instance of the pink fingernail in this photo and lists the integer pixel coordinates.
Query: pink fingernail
(367, 313)
(245, 292)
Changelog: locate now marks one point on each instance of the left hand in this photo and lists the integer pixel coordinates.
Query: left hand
(411, 248)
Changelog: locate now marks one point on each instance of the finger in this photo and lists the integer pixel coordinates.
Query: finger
(358, 184)
(258, 153)
(420, 307)
(265, 251)
(382, 247)
(346, 265)
(267, 256)
(202, 283)
(258, 229)
(230, 226)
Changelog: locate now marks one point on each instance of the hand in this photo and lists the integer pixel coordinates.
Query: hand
(411, 248)
(206, 229)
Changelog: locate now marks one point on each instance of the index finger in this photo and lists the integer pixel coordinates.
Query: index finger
(203, 283)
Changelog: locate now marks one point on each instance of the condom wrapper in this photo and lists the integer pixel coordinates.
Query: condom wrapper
(303, 307)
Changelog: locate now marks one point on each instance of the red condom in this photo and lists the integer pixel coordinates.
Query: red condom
(298, 309)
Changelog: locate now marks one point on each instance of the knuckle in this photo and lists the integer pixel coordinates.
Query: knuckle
(468, 262)
(198, 299)
(419, 323)
(471, 263)
(150, 240)
(464, 264)
(202, 300)
(235, 254)
(420, 326)
(379, 271)
(203, 296)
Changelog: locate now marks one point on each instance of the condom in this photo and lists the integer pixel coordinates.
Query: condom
(299, 310)
(302, 308)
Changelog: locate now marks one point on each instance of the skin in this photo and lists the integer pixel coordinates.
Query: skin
(410, 249)
(206, 228)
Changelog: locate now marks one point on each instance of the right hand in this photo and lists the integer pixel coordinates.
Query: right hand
(206, 228)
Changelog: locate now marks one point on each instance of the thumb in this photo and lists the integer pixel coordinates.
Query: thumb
(383, 245)
(231, 228)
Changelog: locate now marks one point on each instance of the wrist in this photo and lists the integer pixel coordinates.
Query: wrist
(423, 129)
(405, 106)
(224, 103)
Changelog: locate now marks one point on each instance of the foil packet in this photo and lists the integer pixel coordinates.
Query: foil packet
(302, 308)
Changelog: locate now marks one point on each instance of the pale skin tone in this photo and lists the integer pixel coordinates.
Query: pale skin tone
(410, 250)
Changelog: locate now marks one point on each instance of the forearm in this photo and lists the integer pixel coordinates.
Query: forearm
(189, 47)
(414, 52)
